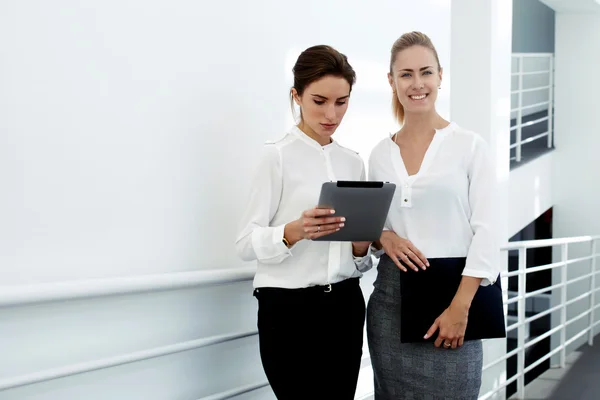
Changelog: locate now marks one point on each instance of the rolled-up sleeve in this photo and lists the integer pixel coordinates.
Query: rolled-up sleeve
(482, 258)
(257, 240)
(364, 263)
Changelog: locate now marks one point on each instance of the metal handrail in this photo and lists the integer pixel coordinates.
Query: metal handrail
(11, 296)
(73, 290)
(561, 328)
(520, 107)
(95, 365)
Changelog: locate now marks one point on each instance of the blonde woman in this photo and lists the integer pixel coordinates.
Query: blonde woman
(441, 217)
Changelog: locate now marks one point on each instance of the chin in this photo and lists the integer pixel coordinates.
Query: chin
(324, 132)
(425, 109)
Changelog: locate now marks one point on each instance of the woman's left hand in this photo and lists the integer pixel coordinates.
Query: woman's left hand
(452, 325)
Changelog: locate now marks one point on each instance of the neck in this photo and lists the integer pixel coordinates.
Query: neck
(418, 124)
(323, 141)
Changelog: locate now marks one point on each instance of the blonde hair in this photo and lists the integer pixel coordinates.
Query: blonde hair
(406, 41)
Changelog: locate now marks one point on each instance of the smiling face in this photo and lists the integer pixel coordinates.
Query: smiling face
(415, 79)
(323, 103)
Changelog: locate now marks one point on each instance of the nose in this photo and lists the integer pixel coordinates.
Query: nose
(330, 112)
(418, 83)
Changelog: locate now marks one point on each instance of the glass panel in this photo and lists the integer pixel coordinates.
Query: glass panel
(532, 64)
(537, 80)
(536, 96)
(514, 85)
(514, 101)
(515, 64)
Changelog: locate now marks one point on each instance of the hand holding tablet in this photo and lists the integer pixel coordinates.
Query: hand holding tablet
(364, 205)
(313, 224)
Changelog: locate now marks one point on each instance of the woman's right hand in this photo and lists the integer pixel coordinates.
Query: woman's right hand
(399, 248)
(312, 224)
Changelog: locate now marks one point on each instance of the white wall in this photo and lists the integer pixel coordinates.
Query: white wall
(127, 134)
(530, 192)
(576, 165)
(480, 101)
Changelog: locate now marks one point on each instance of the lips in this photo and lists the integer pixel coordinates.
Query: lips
(418, 97)
(328, 126)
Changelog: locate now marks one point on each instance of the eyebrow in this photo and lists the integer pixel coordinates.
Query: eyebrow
(325, 98)
(422, 69)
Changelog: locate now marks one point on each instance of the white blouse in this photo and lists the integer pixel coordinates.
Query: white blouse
(445, 209)
(287, 182)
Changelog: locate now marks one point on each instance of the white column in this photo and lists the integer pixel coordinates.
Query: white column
(481, 46)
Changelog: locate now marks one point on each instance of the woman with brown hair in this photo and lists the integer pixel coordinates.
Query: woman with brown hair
(440, 224)
(311, 309)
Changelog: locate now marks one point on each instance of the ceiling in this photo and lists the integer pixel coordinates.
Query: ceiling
(573, 6)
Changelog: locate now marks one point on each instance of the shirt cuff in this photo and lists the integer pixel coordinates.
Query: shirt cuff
(268, 244)
(488, 278)
(376, 253)
(358, 259)
(278, 234)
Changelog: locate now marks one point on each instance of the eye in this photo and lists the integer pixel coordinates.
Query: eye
(404, 75)
(319, 102)
(340, 103)
(427, 72)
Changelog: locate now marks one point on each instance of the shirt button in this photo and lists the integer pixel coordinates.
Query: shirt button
(406, 200)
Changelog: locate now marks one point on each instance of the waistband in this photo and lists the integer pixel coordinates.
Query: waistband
(344, 285)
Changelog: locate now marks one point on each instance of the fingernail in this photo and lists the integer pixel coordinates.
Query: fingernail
(426, 336)
(343, 219)
(333, 211)
(428, 263)
(337, 229)
(341, 225)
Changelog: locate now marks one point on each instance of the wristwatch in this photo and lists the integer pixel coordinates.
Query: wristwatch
(285, 241)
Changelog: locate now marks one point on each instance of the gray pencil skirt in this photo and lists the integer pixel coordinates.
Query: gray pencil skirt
(414, 371)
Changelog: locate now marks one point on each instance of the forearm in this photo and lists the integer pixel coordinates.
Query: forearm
(360, 249)
(466, 291)
(291, 233)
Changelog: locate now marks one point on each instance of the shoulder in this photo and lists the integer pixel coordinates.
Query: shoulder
(468, 139)
(280, 143)
(382, 145)
(381, 150)
(352, 154)
(271, 153)
(473, 147)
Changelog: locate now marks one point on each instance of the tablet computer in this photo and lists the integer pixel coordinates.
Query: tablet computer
(364, 204)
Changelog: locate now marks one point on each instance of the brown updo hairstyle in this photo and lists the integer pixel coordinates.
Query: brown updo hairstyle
(317, 62)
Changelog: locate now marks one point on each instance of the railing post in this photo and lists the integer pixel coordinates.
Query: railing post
(551, 101)
(519, 111)
(521, 308)
(592, 295)
(563, 301)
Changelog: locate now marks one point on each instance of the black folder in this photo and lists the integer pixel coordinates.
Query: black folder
(427, 293)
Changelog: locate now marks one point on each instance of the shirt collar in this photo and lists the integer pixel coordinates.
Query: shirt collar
(310, 141)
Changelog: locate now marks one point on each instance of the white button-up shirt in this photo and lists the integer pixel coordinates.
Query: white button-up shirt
(287, 182)
(446, 209)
